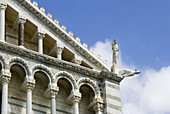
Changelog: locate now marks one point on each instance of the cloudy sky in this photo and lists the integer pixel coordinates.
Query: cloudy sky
(142, 28)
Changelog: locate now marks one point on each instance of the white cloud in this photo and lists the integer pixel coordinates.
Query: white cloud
(104, 49)
(147, 93)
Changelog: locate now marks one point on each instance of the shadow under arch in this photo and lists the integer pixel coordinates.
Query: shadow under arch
(44, 71)
(20, 62)
(89, 92)
(66, 84)
(67, 76)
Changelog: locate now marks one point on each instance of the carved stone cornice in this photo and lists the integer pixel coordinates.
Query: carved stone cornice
(23, 52)
(28, 84)
(3, 6)
(52, 25)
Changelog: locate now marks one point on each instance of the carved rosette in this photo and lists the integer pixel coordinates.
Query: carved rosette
(3, 6)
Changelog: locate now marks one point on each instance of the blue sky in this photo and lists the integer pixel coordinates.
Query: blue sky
(142, 28)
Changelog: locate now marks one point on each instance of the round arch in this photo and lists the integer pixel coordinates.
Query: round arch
(21, 62)
(67, 76)
(90, 83)
(44, 69)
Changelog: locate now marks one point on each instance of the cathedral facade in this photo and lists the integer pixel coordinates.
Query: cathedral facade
(45, 70)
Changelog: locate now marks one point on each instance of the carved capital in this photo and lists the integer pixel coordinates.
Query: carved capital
(98, 106)
(21, 20)
(3, 6)
(41, 35)
(51, 91)
(5, 76)
(28, 83)
(75, 96)
(59, 50)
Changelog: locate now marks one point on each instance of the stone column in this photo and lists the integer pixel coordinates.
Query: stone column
(74, 98)
(4, 79)
(40, 42)
(21, 22)
(28, 86)
(51, 93)
(59, 52)
(2, 21)
(76, 101)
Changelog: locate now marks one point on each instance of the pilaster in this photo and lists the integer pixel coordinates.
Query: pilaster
(3, 7)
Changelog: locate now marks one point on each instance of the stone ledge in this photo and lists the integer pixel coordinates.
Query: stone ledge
(59, 63)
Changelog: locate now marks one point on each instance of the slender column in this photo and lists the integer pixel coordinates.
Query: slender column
(40, 42)
(53, 101)
(28, 86)
(51, 93)
(5, 80)
(21, 22)
(76, 101)
(59, 52)
(2, 21)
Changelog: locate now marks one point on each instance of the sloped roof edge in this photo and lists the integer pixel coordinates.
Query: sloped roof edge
(67, 37)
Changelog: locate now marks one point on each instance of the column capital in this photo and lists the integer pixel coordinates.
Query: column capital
(99, 104)
(21, 19)
(51, 91)
(3, 6)
(28, 83)
(5, 76)
(41, 34)
(75, 96)
(59, 49)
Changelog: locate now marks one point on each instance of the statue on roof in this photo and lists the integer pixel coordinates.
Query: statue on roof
(115, 65)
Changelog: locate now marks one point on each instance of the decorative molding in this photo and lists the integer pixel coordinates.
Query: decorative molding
(62, 31)
(5, 76)
(2, 61)
(58, 63)
(28, 84)
(89, 82)
(69, 77)
(51, 91)
(19, 61)
(3, 6)
(43, 68)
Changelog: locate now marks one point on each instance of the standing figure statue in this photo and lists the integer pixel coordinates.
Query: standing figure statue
(115, 66)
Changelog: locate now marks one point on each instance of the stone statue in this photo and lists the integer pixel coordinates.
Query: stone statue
(115, 66)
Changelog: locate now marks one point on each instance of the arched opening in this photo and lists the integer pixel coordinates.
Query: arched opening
(17, 99)
(40, 103)
(87, 97)
(65, 89)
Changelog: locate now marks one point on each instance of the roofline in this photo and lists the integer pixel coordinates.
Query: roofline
(70, 39)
